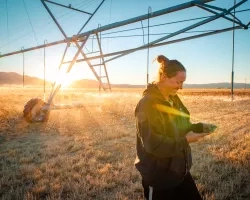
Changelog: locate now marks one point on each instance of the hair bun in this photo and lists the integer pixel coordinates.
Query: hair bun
(162, 59)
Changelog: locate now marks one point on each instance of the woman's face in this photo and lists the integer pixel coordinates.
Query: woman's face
(172, 85)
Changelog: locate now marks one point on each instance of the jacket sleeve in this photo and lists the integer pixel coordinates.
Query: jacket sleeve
(185, 124)
(196, 128)
(157, 134)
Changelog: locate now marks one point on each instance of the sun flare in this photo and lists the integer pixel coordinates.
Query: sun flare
(61, 77)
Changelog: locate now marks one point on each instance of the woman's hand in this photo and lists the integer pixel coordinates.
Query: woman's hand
(209, 128)
(194, 137)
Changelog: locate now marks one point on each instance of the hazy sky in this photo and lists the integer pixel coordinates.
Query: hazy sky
(207, 59)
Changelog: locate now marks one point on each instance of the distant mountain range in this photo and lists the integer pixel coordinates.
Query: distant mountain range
(12, 78)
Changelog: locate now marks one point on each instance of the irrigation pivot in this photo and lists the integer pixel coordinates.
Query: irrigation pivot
(37, 110)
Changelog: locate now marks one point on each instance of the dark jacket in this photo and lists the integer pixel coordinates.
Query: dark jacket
(163, 153)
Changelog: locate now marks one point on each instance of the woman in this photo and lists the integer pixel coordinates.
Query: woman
(164, 132)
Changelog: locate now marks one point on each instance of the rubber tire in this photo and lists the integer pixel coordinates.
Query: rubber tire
(27, 111)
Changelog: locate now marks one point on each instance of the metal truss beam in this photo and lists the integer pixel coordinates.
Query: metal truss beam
(54, 19)
(127, 51)
(216, 16)
(34, 48)
(90, 17)
(57, 23)
(83, 37)
(79, 37)
(144, 17)
(118, 24)
(91, 67)
(64, 54)
(226, 12)
(69, 7)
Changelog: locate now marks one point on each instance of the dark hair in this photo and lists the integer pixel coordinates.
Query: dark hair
(169, 67)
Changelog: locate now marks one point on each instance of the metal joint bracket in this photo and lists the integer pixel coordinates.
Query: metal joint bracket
(74, 38)
(248, 25)
(209, 6)
(224, 12)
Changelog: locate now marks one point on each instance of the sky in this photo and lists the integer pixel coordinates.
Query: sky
(26, 23)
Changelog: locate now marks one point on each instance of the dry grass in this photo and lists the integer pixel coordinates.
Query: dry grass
(88, 152)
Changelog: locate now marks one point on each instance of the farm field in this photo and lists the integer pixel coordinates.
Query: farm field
(88, 151)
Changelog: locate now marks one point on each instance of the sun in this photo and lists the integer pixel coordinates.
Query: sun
(61, 77)
(64, 78)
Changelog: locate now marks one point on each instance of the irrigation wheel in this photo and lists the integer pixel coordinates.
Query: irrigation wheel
(36, 110)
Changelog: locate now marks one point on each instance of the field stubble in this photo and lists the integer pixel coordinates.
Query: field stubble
(88, 152)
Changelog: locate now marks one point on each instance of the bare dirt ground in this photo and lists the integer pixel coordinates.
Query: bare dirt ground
(88, 152)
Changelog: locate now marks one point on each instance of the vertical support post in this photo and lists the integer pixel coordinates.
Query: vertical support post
(22, 48)
(103, 63)
(100, 69)
(149, 12)
(44, 69)
(232, 84)
(232, 81)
